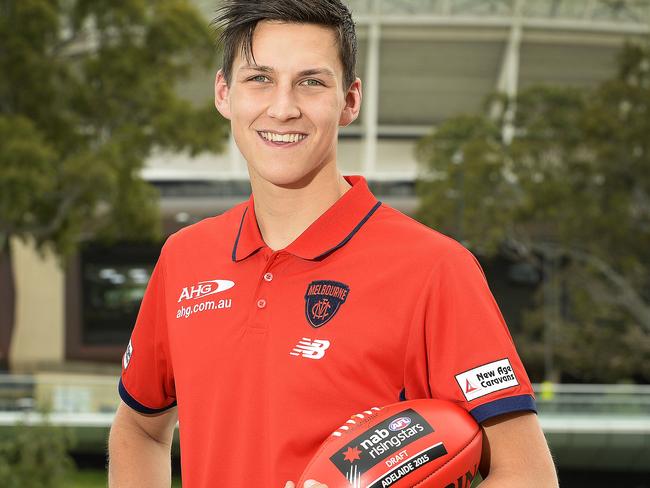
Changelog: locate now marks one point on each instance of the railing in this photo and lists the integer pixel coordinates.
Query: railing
(58, 393)
(626, 400)
(86, 394)
(620, 11)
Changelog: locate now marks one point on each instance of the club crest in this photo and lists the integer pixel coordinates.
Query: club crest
(323, 299)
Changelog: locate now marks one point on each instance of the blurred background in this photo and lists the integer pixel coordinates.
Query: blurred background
(519, 127)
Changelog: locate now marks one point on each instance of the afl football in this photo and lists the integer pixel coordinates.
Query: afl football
(426, 443)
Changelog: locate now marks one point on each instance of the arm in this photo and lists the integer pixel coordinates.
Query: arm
(139, 448)
(515, 453)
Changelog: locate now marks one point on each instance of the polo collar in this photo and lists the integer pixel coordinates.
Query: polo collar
(333, 229)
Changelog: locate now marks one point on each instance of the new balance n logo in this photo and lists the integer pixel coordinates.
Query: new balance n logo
(310, 349)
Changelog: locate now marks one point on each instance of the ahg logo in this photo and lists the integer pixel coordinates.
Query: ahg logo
(205, 288)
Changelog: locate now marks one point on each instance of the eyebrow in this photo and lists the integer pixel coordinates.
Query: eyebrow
(306, 72)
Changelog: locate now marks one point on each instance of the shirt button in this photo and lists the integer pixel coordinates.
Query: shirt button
(261, 303)
(268, 276)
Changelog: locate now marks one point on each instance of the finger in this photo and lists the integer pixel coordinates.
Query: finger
(290, 484)
(314, 484)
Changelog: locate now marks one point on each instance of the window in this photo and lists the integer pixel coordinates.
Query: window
(104, 292)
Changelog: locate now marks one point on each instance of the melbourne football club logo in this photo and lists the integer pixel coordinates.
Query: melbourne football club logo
(323, 299)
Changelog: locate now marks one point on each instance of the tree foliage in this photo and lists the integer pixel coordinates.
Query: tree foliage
(570, 194)
(35, 456)
(87, 92)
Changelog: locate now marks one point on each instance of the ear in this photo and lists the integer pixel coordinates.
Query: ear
(222, 95)
(352, 104)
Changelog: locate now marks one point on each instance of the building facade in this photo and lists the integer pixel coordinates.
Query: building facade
(421, 62)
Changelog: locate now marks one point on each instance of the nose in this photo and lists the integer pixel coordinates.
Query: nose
(283, 104)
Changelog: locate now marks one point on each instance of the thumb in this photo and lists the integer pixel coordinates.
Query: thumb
(314, 484)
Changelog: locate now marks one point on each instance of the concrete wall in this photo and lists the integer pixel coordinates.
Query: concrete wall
(39, 334)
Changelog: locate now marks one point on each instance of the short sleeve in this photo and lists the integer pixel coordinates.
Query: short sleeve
(460, 348)
(147, 379)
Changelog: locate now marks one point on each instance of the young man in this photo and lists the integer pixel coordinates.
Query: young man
(264, 328)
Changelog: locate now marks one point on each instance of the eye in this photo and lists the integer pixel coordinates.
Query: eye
(312, 82)
(258, 78)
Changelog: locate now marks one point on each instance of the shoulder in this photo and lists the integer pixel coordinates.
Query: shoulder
(219, 230)
(401, 233)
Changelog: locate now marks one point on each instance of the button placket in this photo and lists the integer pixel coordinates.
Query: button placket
(261, 298)
(268, 277)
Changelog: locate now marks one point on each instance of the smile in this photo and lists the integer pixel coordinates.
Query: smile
(275, 139)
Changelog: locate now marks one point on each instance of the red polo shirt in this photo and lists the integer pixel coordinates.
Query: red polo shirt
(266, 352)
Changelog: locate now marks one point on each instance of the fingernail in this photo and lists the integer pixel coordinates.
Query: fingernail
(310, 483)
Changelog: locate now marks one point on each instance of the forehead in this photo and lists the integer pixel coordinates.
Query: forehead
(293, 46)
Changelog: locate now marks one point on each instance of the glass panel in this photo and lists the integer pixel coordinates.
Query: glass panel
(113, 283)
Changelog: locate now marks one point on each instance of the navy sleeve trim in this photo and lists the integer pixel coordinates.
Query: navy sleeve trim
(136, 405)
(503, 405)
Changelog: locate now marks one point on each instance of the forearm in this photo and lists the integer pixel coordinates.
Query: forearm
(515, 453)
(518, 480)
(137, 460)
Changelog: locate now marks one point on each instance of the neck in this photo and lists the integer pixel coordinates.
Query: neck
(283, 213)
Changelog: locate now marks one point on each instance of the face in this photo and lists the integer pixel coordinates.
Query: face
(285, 110)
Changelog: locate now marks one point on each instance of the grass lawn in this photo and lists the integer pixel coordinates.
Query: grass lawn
(92, 478)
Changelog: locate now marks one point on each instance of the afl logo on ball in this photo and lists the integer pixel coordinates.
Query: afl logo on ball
(399, 424)
(323, 299)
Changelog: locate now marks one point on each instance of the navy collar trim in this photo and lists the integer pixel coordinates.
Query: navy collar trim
(349, 236)
(241, 224)
(322, 255)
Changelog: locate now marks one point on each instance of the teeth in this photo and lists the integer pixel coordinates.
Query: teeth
(271, 136)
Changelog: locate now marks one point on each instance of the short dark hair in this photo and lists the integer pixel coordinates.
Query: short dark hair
(238, 19)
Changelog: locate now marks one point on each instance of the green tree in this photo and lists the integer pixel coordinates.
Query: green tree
(570, 194)
(87, 92)
(35, 456)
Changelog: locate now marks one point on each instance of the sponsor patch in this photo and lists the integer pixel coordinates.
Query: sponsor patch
(204, 288)
(323, 299)
(199, 291)
(127, 355)
(205, 306)
(486, 379)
